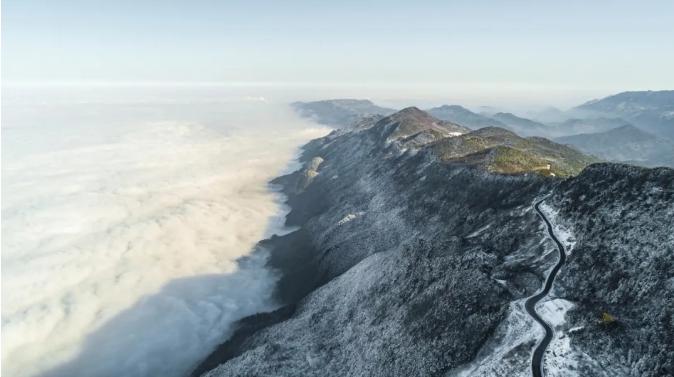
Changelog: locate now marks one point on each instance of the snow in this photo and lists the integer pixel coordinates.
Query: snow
(502, 355)
(563, 234)
(477, 232)
(349, 217)
(502, 282)
(560, 358)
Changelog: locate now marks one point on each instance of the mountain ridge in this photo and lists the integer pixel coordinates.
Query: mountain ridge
(391, 237)
(339, 112)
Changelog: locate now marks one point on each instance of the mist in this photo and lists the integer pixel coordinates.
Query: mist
(129, 223)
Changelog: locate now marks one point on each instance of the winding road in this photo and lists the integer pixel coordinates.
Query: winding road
(530, 304)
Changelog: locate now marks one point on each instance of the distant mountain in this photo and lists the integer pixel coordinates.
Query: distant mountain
(339, 112)
(652, 111)
(631, 102)
(461, 115)
(522, 126)
(576, 126)
(467, 118)
(547, 115)
(625, 144)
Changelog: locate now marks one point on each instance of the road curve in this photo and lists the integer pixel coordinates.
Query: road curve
(530, 304)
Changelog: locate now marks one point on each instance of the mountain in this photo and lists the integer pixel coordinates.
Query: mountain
(653, 111)
(632, 102)
(411, 121)
(339, 112)
(461, 115)
(547, 115)
(625, 144)
(417, 258)
(467, 118)
(575, 126)
(619, 273)
(522, 126)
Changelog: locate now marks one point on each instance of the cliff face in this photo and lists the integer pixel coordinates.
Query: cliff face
(406, 263)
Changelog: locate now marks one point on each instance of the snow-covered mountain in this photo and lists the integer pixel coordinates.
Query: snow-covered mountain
(409, 263)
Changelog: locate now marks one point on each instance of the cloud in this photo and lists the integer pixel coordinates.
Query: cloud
(124, 239)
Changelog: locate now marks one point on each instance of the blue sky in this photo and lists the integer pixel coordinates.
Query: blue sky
(585, 45)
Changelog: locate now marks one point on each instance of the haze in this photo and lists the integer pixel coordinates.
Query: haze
(485, 51)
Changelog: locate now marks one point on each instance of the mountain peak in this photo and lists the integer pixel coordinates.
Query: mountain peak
(412, 120)
(451, 108)
(410, 114)
(413, 111)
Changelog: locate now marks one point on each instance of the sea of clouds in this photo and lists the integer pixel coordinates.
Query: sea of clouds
(129, 221)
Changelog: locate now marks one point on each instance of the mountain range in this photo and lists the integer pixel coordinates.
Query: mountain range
(602, 120)
(417, 245)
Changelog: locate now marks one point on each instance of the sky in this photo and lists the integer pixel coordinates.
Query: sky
(478, 45)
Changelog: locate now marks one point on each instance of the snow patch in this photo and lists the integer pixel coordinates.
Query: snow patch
(508, 352)
(477, 232)
(554, 311)
(563, 234)
(349, 217)
(560, 359)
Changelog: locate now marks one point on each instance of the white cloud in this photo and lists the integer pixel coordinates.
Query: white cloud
(119, 253)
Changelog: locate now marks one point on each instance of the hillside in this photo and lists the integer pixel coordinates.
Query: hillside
(502, 151)
(392, 235)
(406, 262)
